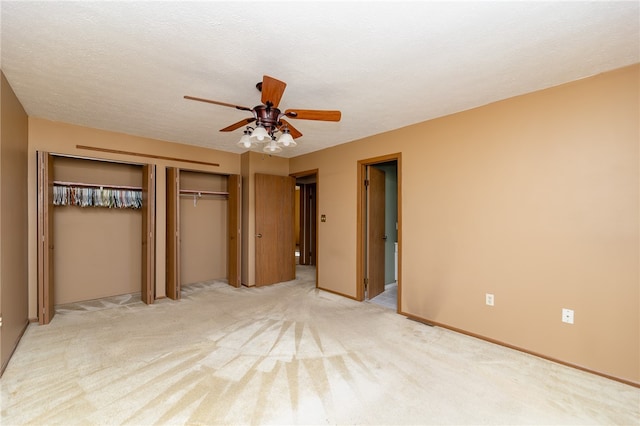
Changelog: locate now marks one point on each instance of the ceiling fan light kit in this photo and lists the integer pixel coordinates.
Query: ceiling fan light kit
(269, 119)
(272, 147)
(286, 139)
(245, 140)
(259, 133)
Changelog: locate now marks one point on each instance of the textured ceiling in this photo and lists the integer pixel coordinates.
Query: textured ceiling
(125, 66)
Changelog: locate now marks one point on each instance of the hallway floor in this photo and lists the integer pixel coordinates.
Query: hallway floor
(285, 354)
(388, 298)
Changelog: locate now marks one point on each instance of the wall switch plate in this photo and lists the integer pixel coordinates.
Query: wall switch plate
(567, 315)
(488, 298)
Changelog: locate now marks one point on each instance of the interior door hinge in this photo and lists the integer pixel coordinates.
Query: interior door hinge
(366, 283)
(366, 182)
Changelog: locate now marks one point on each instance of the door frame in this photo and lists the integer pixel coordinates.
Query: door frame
(362, 222)
(148, 281)
(234, 230)
(45, 238)
(172, 251)
(306, 173)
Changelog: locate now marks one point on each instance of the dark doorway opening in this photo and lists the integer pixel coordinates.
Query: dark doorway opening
(306, 218)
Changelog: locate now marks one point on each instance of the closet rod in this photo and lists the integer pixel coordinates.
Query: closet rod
(96, 185)
(196, 192)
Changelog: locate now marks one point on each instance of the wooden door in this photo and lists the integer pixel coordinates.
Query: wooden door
(376, 237)
(148, 283)
(307, 224)
(173, 284)
(234, 225)
(46, 309)
(275, 239)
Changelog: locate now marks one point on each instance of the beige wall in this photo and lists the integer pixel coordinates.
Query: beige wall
(534, 199)
(13, 220)
(62, 138)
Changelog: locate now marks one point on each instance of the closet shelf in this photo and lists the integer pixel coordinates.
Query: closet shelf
(96, 185)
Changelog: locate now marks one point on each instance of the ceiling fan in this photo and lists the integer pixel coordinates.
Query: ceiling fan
(269, 119)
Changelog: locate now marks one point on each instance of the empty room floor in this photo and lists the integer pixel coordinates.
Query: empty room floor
(285, 354)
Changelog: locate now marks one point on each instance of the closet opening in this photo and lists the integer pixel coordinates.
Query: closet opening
(379, 231)
(203, 229)
(96, 231)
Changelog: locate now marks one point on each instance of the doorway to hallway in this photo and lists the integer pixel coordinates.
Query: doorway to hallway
(379, 230)
(306, 220)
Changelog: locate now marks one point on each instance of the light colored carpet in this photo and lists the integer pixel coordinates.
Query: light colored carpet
(285, 354)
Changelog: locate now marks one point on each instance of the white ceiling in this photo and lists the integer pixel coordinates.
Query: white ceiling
(125, 66)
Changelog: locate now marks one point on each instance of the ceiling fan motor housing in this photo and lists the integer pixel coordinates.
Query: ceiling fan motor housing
(267, 116)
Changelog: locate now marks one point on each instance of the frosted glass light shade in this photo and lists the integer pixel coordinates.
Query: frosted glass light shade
(245, 141)
(287, 140)
(260, 133)
(272, 147)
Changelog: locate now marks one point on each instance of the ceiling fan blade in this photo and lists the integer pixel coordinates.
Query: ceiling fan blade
(242, 108)
(313, 114)
(238, 124)
(295, 133)
(272, 90)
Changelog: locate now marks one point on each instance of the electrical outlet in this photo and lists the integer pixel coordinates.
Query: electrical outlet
(488, 298)
(567, 315)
